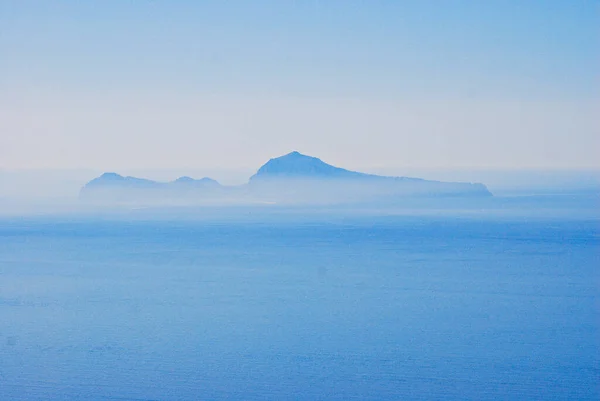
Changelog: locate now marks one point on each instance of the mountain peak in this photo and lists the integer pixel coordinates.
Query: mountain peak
(191, 181)
(185, 178)
(111, 176)
(295, 155)
(298, 165)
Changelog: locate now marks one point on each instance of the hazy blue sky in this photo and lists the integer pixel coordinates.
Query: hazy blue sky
(115, 85)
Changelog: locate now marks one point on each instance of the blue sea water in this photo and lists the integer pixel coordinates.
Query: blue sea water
(365, 307)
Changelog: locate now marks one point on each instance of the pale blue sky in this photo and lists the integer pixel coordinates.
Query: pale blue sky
(366, 84)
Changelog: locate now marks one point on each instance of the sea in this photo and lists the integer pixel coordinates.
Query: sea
(268, 303)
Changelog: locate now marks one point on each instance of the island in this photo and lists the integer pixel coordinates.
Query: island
(293, 178)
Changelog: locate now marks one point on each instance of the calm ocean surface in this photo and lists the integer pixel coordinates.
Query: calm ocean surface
(365, 308)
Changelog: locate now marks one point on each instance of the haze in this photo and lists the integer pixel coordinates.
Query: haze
(225, 86)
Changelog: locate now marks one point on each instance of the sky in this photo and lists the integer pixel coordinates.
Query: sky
(124, 85)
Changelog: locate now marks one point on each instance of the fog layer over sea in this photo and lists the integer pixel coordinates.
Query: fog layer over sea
(419, 302)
